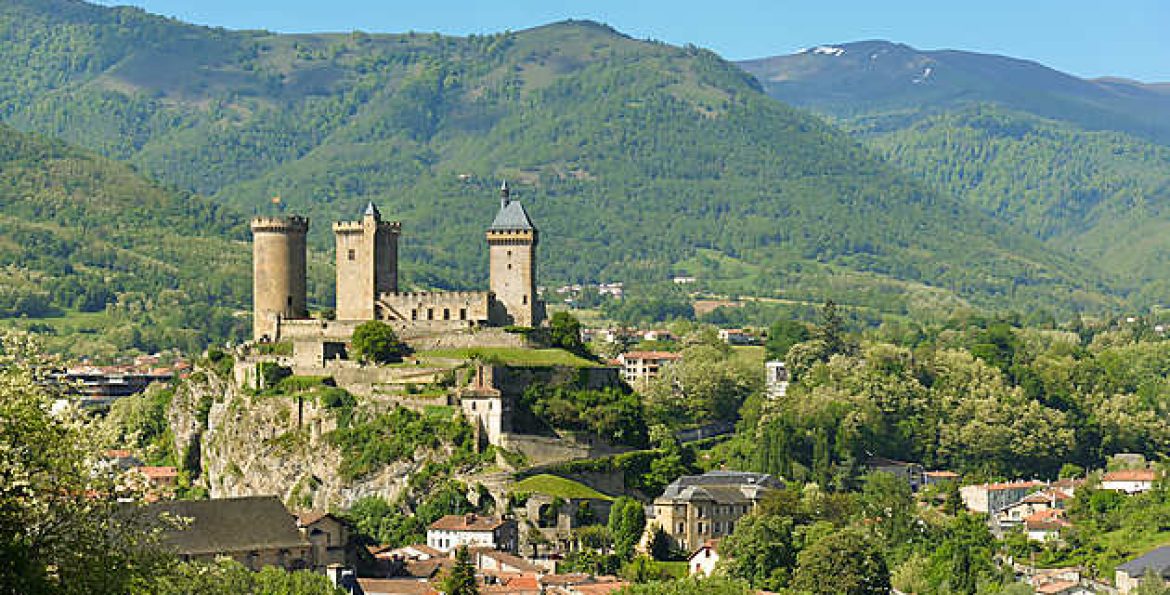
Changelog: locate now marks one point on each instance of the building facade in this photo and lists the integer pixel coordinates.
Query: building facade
(698, 508)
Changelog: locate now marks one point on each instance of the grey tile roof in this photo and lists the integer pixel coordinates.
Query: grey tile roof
(746, 483)
(512, 217)
(230, 525)
(1157, 560)
(372, 209)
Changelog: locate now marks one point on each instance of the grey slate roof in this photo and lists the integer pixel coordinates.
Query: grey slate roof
(1157, 560)
(230, 525)
(719, 485)
(512, 217)
(372, 209)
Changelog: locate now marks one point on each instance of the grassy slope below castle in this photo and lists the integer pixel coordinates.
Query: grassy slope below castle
(632, 156)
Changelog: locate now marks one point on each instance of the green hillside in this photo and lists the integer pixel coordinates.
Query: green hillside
(637, 159)
(100, 259)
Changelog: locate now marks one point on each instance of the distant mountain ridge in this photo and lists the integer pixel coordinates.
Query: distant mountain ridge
(886, 82)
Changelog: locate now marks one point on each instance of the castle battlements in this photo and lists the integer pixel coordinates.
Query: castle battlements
(289, 224)
(511, 236)
(431, 295)
(359, 226)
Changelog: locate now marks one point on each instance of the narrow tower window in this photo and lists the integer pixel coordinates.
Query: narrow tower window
(352, 254)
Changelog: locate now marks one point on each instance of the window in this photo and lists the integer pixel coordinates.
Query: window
(446, 314)
(352, 254)
(462, 313)
(430, 313)
(414, 314)
(509, 252)
(525, 300)
(509, 266)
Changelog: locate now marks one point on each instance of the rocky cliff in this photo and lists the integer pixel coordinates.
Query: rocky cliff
(243, 444)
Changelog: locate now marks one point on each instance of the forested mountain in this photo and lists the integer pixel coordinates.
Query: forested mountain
(637, 159)
(1103, 196)
(83, 234)
(1079, 164)
(886, 83)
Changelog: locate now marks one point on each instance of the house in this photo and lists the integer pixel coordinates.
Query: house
(255, 531)
(160, 478)
(640, 367)
(1046, 499)
(396, 586)
(735, 336)
(580, 584)
(510, 584)
(911, 473)
(472, 530)
(936, 477)
(1128, 576)
(1046, 525)
(495, 561)
(696, 508)
(330, 537)
(993, 497)
(657, 335)
(1130, 481)
(408, 552)
(702, 562)
(1058, 581)
(775, 378)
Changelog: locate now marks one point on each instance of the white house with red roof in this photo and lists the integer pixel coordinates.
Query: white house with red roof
(1130, 481)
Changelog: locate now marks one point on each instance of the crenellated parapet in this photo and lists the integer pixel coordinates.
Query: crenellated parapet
(357, 227)
(289, 224)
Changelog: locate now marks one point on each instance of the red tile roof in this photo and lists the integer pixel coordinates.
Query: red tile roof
(1131, 475)
(467, 522)
(159, 472)
(667, 355)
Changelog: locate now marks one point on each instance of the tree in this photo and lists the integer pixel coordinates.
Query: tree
(627, 520)
(61, 528)
(782, 335)
(460, 580)
(565, 332)
(832, 330)
(846, 562)
(761, 551)
(375, 341)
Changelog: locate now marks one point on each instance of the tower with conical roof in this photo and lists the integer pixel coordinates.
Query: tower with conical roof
(367, 263)
(512, 240)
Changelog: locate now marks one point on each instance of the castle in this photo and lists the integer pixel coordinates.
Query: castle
(367, 280)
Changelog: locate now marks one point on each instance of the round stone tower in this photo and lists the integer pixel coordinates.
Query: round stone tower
(278, 273)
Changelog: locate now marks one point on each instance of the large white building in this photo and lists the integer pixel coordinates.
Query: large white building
(472, 530)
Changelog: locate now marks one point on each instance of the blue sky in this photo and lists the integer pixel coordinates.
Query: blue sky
(1083, 37)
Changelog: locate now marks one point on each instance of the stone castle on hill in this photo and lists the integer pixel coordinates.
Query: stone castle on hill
(367, 280)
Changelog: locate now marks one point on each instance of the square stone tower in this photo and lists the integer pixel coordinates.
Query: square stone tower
(512, 258)
(367, 263)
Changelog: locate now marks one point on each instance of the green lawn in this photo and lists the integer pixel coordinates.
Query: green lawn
(750, 354)
(551, 485)
(515, 356)
(674, 569)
